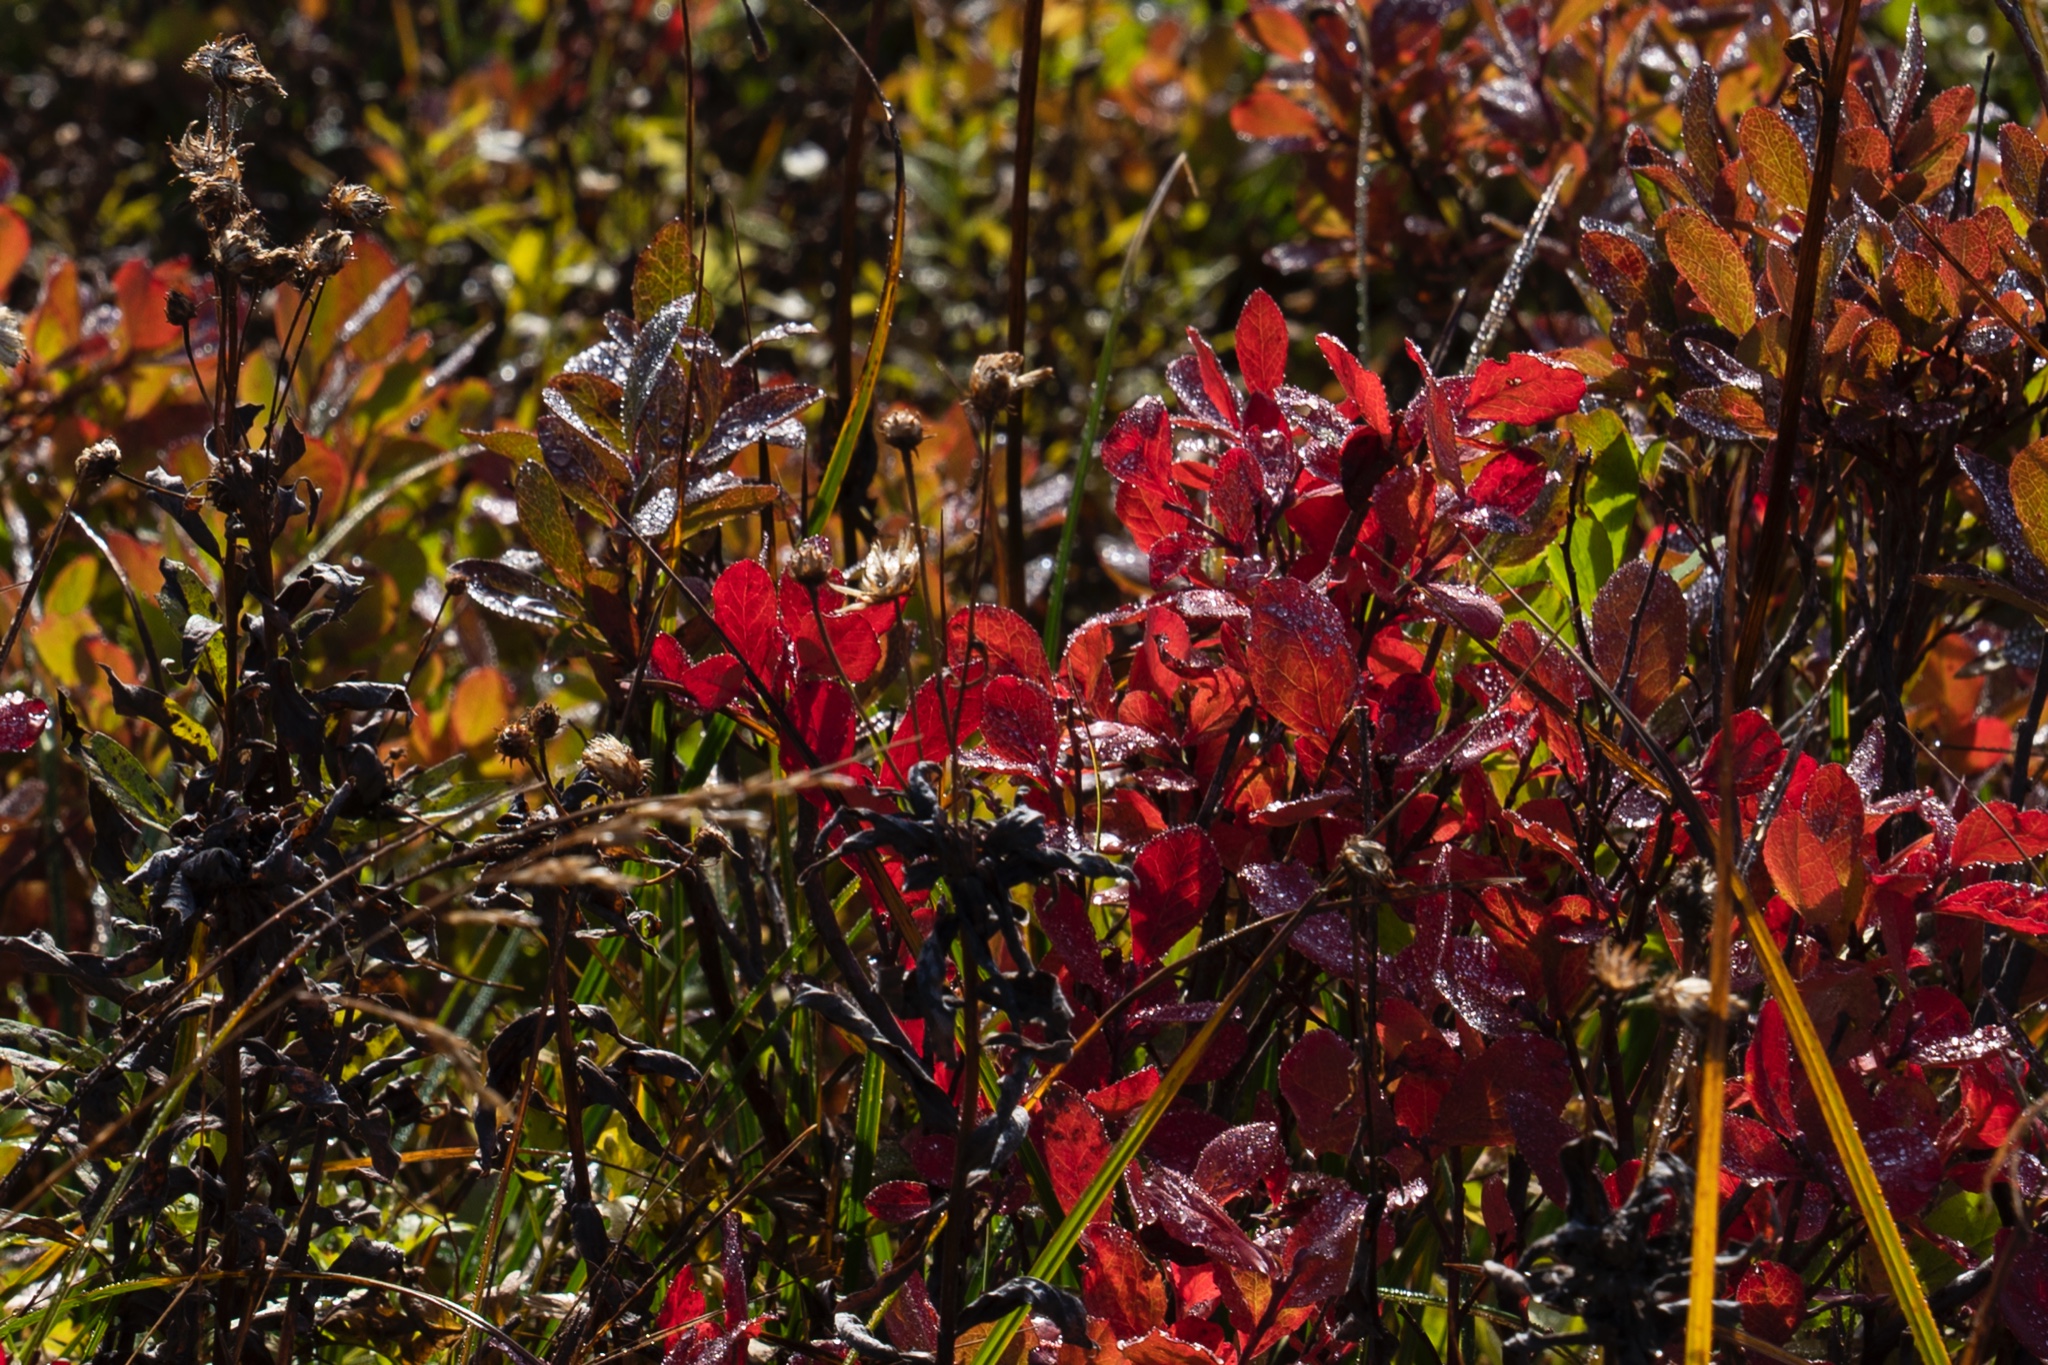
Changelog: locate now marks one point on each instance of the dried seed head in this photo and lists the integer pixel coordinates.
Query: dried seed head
(901, 429)
(232, 65)
(810, 561)
(179, 309)
(457, 585)
(888, 572)
(355, 206)
(997, 379)
(1685, 998)
(515, 742)
(545, 721)
(322, 255)
(612, 762)
(273, 266)
(13, 345)
(1618, 968)
(1366, 859)
(96, 464)
(236, 251)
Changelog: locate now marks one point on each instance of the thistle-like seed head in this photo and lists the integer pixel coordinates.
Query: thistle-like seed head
(13, 344)
(233, 66)
(545, 721)
(515, 742)
(888, 572)
(901, 429)
(810, 561)
(611, 761)
(96, 464)
(355, 206)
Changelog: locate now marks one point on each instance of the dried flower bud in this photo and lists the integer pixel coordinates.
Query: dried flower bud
(609, 760)
(322, 255)
(1617, 967)
(888, 572)
(355, 206)
(457, 585)
(515, 742)
(1687, 999)
(545, 721)
(997, 379)
(810, 561)
(901, 429)
(232, 65)
(13, 345)
(236, 252)
(1366, 859)
(179, 309)
(96, 464)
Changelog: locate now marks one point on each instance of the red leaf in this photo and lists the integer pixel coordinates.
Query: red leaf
(1510, 482)
(1996, 832)
(1119, 1282)
(1007, 639)
(1439, 424)
(1070, 1138)
(898, 1201)
(1637, 592)
(1361, 385)
(1018, 722)
(1814, 850)
(1758, 752)
(2023, 1303)
(1215, 387)
(743, 603)
(2010, 905)
(1239, 1159)
(713, 683)
(1126, 1096)
(1262, 343)
(666, 660)
(1752, 1153)
(1179, 874)
(1475, 1111)
(822, 710)
(1156, 1347)
(1301, 662)
(1773, 1300)
(22, 719)
(1317, 1081)
(1139, 446)
(1525, 390)
(1266, 113)
(681, 1306)
(935, 720)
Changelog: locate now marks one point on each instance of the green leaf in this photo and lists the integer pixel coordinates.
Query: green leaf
(1709, 260)
(549, 528)
(122, 777)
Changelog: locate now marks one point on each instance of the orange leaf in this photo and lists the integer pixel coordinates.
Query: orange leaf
(1709, 260)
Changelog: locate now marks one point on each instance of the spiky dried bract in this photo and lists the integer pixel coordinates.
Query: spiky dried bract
(232, 65)
(355, 206)
(13, 344)
(612, 761)
(322, 255)
(545, 721)
(515, 742)
(888, 572)
(1618, 967)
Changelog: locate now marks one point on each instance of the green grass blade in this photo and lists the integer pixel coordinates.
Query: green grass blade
(1098, 398)
(1067, 1235)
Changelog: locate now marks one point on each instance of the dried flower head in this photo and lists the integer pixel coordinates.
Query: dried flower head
(179, 309)
(322, 255)
(515, 742)
(1684, 998)
(1366, 859)
(236, 251)
(997, 379)
(13, 345)
(611, 761)
(355, 206)
(810, 561)
(233, 66)
(545, 721)
(901, 429)
(457, 585)
(1618, 967)
(96, 464)
(888, 572)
